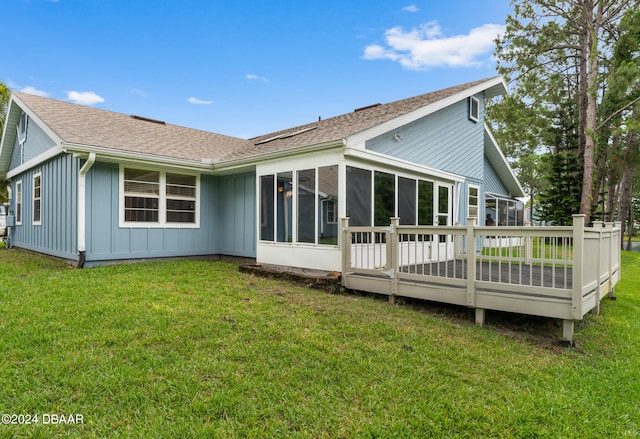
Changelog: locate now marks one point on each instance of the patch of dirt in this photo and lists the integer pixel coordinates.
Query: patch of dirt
(542, 332)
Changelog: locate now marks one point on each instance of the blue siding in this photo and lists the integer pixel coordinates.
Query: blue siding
(57, 235)
(236, 209)
(445, 140)
(227, 221)
(492, 182)
(37, 143)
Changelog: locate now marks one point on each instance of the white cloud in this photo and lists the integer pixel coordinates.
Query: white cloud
(251, 77)
(427, 47)
(84, 98)
(199, 101)
(34, 91)
(411, 8)
(138, 92)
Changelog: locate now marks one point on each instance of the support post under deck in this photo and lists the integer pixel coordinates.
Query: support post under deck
(567, 332)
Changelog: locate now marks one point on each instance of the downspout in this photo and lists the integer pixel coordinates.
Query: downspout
(82, 238)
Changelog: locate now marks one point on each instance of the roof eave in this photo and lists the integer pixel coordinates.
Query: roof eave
(111, 155)
(252, 160)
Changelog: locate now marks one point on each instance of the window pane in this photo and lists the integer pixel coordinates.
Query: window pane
(358, 196)
(181, 185)
(328, 205)
(384, 198)
(284, 206)
(307, 205)
(425, 203)
(266, 208)
(181, 211)
(473, 202)
(36, 199)
(141, 209)
(502, 213)
(407, 201)
(490, 208)
(137, 181)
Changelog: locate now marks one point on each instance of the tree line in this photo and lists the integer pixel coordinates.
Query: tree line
(571, 120)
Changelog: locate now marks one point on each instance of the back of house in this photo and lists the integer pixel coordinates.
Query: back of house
(97, 187)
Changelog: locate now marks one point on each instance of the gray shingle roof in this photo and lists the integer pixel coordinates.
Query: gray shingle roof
(89, 126)
(345, 125)
(78, 124)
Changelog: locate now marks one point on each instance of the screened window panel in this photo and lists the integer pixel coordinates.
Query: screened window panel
(284, 207)
(266, 208)
(328, 205)
(407, 201)
(384, 198)
(358, 193)
(306, 206)
(425, 203)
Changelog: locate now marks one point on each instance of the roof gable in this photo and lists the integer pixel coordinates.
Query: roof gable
(368, 122)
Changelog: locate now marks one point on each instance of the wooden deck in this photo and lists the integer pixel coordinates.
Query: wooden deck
(558, 272)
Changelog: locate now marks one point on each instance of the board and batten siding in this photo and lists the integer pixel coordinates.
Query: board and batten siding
(445, 140)
(37, 143)
(57, 233)
(223, 227)
(236, 215)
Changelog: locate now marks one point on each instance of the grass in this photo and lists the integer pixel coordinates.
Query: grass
(197, 349)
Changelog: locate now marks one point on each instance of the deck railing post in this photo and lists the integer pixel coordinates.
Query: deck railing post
(578, 265)
(346, 249)
(393, 249)
(598, 225)
(617, 248)
(471, 263)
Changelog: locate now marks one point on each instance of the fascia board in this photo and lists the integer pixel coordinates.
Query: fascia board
(41, 158)
(120, 156)
(225, 166)
(388, 161)
(501, 165)
(494, 86)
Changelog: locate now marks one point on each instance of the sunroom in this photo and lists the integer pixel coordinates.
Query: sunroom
(300, 202)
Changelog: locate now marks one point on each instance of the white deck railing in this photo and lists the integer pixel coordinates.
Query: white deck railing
(560, 272)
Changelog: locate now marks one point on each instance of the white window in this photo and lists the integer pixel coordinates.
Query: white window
(37, 200)
(473, 202)
(153, 198)
(22, 128)
(19, 202)
(181, 198)
(474, 109)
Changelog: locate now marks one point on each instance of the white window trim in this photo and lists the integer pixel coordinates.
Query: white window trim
(162, 204)
(33, 199)
(473, 100)
(19, 200)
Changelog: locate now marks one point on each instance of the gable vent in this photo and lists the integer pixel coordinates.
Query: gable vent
(147, 119)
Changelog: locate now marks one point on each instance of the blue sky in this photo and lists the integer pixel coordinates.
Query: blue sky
(240, 67)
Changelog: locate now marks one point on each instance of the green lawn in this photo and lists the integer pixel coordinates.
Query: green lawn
(197, 349)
